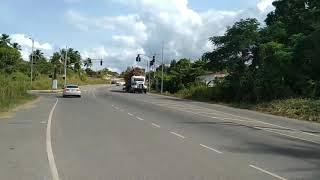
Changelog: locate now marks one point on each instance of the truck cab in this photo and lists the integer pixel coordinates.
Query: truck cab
(138, 84)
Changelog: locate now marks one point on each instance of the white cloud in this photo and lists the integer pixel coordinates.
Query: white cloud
(26, 45)
(24, 40)
(265, 5)
(184, 30)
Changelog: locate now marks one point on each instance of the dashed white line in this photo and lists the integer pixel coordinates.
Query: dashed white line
(130, 114)
(267, 172)
(155, 125)
(94, 94)
(52, 164)
(179, 135)
(139, 118)
(252, 121)
(210, 148)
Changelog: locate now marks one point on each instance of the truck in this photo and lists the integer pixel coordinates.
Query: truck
(135, 81)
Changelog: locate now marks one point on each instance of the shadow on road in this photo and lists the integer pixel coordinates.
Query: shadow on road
(238, 125)
(117, 91)
(174, 99)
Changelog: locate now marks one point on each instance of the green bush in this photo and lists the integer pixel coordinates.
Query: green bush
(13, 89)
(298, 108)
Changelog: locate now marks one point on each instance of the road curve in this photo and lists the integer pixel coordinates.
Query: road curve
(109, 134)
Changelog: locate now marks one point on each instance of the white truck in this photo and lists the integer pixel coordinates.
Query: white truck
(138, 84)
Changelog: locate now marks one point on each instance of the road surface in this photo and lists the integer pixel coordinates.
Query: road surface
(108, 134)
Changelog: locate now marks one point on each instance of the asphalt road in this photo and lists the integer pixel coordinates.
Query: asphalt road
(108, 134)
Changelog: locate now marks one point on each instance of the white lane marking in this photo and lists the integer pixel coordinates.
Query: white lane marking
(52, 164)
(289, 135)
(311, 134)
(139, 118)
(267, 172)
(94, 94)
(210, 148)
(247, 121)
(155, 125)
(192, 107)
(179, 135)
(116, 108)
(130, 114)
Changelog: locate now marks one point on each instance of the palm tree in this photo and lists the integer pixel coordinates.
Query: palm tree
(87, 63)
(5, 40)
(16, 46)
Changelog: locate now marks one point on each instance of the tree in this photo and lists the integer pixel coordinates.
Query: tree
(41, 64)
(16, 46)
(5, 40)
(87, 63)
(74, 59)
(56, 62)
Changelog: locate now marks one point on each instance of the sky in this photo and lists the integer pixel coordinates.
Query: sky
(117, 30)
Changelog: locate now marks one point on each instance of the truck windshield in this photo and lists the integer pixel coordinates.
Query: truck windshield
(138, 79)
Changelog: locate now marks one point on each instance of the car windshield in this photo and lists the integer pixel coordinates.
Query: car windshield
(160, 89)
(72, 87)
(138, 79)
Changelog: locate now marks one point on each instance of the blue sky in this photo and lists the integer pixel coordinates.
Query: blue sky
(118, 29)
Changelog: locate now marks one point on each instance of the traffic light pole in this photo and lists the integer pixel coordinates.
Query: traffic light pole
(148, 66)
(149, 77)
(65, 67)
(162, 68)
(31, 66)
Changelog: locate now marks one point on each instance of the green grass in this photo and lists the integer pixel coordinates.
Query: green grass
(298, 108)
(13, 90)
(44, 83)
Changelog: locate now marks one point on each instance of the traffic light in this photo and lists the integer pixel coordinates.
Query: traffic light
(153, 60)
(101, 63)
(138, 58)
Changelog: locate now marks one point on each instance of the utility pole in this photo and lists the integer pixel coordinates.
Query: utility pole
(65, 67)
(31, 66)
(149, 76)
(162, 68)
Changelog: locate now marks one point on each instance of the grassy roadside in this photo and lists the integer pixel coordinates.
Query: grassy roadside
(296, 108)
(14, 87)
(16, 102)
(44, 83)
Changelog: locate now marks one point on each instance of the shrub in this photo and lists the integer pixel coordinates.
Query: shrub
(13, 88)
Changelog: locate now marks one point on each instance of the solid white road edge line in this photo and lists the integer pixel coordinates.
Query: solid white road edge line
(247, 121)
(250, 119)
(267, 172)
(155, 125)
(52, 164)
(139, 118)
(179, 135)
(210, 148)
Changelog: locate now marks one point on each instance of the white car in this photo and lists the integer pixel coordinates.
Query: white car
(71, 90)
(120, 83)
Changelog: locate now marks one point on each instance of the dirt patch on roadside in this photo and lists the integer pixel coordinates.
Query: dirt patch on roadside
(25, 105)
